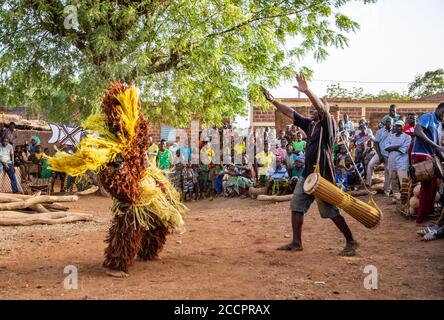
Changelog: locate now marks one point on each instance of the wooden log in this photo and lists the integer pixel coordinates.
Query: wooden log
(9, 197)
(35, 200)
(15, 218)
(39, 208)
(254, 192)
(358, 193)
(88, 191)
(378, 187)
(264, 197)
(55, 206)
(377, 180)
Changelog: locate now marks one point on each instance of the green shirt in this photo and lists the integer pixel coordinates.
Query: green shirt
(45, 173)
(295, 172)
(164, 159)
(299, 145)
(203, 171)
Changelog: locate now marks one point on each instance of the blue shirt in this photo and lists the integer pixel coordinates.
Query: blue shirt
(432, 129)
(399, 160)
(32, 149)
(381, 139)
(349, 127)
(279, 174)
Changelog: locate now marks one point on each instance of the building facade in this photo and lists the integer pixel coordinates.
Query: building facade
(371, 110)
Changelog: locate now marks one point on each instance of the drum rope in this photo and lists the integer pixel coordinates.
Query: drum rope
(318, 157)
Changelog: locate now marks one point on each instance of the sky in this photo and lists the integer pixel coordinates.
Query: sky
(397, 40)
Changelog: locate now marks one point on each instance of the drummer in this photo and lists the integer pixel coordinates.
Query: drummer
(427, 143)
(301, 202)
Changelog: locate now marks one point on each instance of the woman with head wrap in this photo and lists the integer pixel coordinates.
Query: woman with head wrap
(35, 141)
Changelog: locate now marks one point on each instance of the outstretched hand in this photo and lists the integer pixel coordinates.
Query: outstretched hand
(267, 94)
(302, 83)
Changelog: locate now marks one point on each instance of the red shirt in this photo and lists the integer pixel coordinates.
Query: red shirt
(408, 129)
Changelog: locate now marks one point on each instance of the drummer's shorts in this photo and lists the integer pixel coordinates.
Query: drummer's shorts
(301, 202)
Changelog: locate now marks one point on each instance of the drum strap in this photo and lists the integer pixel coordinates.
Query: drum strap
(318, 157)
(328, 155)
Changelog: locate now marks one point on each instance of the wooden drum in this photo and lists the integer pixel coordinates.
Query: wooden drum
(321, 188)
(426, 170)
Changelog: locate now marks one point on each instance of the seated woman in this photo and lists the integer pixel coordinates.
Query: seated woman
(35, 142)
(229, 180)
(245, 177)
(347, 175)
(19, 161)
(296, 172)
(277, 179)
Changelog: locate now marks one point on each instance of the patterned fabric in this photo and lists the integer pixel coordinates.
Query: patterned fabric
(5, 183)
(188, 185)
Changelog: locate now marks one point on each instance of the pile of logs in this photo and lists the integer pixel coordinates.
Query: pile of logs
(25, 210)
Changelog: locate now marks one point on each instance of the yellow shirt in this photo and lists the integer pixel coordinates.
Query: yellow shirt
(239, 148)
(266, 160)
(152, 154)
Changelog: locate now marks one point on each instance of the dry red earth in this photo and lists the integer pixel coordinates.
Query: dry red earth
(227, 252)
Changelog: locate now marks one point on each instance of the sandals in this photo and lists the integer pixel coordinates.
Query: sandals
(423, 232)
(430, 235)
(289, 247)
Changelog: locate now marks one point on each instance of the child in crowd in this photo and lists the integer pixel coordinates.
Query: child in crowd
(188, 182)
(341, 156)
(296, 172)
(215, 176)
(369, 153)
(20, 162)
(45, 173)
(203, 171)
(176, 178)
(277, 179)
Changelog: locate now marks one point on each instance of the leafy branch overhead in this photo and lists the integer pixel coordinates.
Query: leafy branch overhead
(202, 58)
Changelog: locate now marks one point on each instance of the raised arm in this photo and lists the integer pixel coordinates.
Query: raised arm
(281, 107)
(302, 86)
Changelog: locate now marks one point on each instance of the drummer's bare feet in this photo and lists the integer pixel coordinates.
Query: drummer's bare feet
(291, 247)
(116, 273)
(349, 249)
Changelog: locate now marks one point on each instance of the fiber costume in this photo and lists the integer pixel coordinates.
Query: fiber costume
(145, 204)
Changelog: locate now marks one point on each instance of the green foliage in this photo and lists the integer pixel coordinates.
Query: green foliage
(203, 58)
(429, 83)
(336, 91)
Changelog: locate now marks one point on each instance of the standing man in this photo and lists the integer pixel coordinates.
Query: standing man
(164, 156)
(381, 156)
(392, 114)
(9, 133)
(301, 202)
(348, 125)
(398, 161)
(426, 144)
(409, 129)
(7, 162)
(264, 161)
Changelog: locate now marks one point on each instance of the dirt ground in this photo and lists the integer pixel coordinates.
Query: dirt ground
(228, 251)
